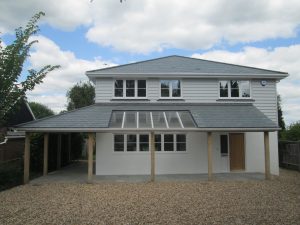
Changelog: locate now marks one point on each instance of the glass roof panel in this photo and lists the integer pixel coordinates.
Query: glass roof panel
(159, 119)
(116, 119)
(130, 119)
(175, 119)
(172, 119)
(186, 119)
(144, 119)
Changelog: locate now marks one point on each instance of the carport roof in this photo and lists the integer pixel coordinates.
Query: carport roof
(207, 117)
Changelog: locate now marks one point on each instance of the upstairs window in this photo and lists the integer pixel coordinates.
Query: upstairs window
(234, 89)
(170, 88)
(130, 89)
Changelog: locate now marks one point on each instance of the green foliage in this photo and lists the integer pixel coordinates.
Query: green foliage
(80, 95)
(280, 117)
(12, 58)
(39, 110)
(292, 133)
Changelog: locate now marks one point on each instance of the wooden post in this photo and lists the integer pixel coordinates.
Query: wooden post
(209, 155)
(152, 144)
(267, 156)
(46, 144)
(58, 165)
(90, 157)
(27, 158)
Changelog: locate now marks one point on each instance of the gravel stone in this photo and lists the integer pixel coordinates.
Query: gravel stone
(218, 202)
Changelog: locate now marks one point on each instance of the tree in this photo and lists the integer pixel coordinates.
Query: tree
(40, 111)
(280, 117)
(80, 95)
(292, 133)
(12, 58)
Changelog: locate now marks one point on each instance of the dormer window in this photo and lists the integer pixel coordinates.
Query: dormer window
(130, 89)
(170, 89)
(234, 89)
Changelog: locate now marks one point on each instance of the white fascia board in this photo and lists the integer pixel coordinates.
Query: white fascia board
(125, 130)
(93, 75)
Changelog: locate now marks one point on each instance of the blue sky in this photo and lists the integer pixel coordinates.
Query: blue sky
(80, 35)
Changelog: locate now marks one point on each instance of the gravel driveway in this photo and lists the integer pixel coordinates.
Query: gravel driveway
(226, 202)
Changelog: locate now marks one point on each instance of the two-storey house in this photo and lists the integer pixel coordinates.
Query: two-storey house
(177, 115)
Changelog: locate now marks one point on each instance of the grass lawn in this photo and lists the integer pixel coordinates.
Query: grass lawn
(229, 202)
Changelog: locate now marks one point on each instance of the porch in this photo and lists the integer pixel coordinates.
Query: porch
(76, 173)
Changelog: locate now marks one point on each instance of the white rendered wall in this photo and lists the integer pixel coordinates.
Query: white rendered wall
(194, 160)
(255, 155)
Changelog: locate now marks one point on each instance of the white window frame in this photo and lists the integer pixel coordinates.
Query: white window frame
(171, 89)
(174, 143)
(229, 90)
(125, 143)
(135, 89)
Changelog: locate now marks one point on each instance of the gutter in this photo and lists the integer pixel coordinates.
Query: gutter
(120, 130)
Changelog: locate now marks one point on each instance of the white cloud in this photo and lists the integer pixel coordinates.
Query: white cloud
(153, 25)
(285, 59)
(53, 90)
(66, 14)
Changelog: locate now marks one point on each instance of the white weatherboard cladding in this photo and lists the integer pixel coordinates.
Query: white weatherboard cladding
(193, 161)
(199, 91)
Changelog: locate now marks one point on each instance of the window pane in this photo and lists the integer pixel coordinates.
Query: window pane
(118, 143)
(119, 138)
(119, 147)
(130, 119)
(169, 147)
(181, 147)
(158, 120)
(141, 92)
(234, 84)
(118, 92)
(116, 119)
(169, 138)
(144, 120)
(175, 84)
(180, 138)
(141, 83)
(165, 84)
(186, 119)
(144, 138)
(234, 88)
(223, 88)
(172, 119)
(234, 92)
(129, 92)
(157, 139)
(119, 84)
(176, 93)
(144, 142)
(129, 83)
(157, 147)
(224, 144)
(131, 142)
(245, 89)
(165, 93)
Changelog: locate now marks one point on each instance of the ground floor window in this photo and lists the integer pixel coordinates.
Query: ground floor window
(224, 144)
(131, 142)
(140, 142)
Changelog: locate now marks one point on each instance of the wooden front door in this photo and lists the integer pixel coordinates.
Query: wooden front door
(237, 151)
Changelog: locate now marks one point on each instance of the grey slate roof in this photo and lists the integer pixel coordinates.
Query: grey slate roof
(218, 115)
(180, 64)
